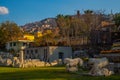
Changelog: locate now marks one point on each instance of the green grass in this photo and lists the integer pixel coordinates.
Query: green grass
(46, 73)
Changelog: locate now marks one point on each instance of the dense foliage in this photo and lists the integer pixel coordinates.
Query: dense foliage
(79, 25)
(117, 19)
(9, 31)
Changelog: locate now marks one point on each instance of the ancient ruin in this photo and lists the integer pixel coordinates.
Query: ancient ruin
(73, 64)
(99, 67)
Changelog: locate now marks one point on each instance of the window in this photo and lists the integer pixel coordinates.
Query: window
(27, 51)
(61, 55)
(10, 44)
(14, 44)
(31, 51)
(36, 51)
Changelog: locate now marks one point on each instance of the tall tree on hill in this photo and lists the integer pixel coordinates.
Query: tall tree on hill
(93, 21)
(117, 20)
(61, 24)
(88, 18)
(78, 29)
(64, 26)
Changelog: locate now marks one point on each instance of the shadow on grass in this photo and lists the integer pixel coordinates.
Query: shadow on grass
(48, 73)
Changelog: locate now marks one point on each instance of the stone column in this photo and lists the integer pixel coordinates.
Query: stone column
(21, 57)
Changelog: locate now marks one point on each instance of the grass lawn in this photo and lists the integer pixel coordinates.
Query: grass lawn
(46, 73)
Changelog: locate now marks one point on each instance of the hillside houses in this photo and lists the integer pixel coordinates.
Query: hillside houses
(49, 23)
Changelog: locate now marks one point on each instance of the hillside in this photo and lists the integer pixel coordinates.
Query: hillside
(48, 23)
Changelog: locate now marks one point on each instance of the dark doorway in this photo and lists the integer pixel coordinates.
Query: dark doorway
(61, 55)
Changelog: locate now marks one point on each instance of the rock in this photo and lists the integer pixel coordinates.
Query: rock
(106, 72)
(72, 69)
(59, 62)
(8, 62)
(98, 67)
(72, 64)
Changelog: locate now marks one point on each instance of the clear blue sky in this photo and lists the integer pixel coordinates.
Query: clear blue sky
(25, 11)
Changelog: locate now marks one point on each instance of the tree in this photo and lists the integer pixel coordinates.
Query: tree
(71, 27)
(117, 19)
(49, 38)
(9, 31)
(88, 11)
(80, 26)
(61, 24)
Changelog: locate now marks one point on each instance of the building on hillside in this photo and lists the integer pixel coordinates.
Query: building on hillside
(49, 53)
(28, 37)
(38, 34)
(47, 32)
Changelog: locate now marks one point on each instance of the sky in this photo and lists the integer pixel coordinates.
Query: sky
(26, 11)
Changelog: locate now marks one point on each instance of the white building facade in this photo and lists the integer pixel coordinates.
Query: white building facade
(49, 53)
(17, 45)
